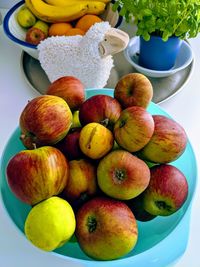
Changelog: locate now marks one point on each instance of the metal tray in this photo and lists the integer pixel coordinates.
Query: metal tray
(163, 88)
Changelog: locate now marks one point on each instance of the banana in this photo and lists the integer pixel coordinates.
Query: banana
(69, 2)
(94, 7)
(50, 13)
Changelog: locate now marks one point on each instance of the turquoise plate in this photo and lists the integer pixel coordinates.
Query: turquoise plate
(161, 241)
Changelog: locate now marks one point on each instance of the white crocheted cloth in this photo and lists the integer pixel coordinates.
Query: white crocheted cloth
(77, 56)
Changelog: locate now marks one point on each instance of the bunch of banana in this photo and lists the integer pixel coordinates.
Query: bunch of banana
(64, 10)
(68, 2)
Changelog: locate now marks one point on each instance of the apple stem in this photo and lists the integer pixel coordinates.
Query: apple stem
(91, 224)
(22, 136)
(122, 123)
(105, 122)
(34, 145)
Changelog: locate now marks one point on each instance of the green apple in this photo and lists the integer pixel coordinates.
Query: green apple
(25, 17)
(76, 122)
(116, 146)
(43, 26)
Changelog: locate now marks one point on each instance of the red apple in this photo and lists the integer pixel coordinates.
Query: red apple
(70, 89)
(136, 205)
(43, 26)
(121, 175)
(134, 89)
(69, 145)
(34, 36)
(82, 182)
(134, 128)
(106, 229)
(168, 142)
(35, 175)
(45, 120)
(167, 190)
(103, 109)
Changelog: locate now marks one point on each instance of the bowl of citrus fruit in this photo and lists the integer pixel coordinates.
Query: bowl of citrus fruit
(29, 22)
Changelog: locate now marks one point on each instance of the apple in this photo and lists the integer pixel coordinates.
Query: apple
(134, 89)
(95, 140)
(121, 175)
(69, 145)
(34, 36)
(76, 122)
(134, 128)
(116, 146)
(43, 26)
(167, 190)
(45, 120)
(168, 142)
(103, 109)
(70, 89)
(82, 182)
(136, 205)
(35, 175)
(106, 229)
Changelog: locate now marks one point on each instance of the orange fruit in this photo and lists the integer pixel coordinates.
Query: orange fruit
(85, 22)
(74, 31)
(59, 28)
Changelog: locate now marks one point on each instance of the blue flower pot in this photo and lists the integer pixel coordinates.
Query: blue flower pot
(157, 54)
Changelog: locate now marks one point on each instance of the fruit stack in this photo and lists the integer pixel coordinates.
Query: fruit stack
(93, 168)
(46, 18)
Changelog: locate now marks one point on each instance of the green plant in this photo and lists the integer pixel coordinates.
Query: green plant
(164, 18)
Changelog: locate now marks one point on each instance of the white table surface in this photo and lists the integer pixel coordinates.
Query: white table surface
(15, 250)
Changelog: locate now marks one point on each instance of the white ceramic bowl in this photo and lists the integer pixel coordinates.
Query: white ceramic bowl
(17, 34)
(184, 58)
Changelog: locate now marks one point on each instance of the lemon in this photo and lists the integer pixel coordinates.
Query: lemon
(50, 224)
